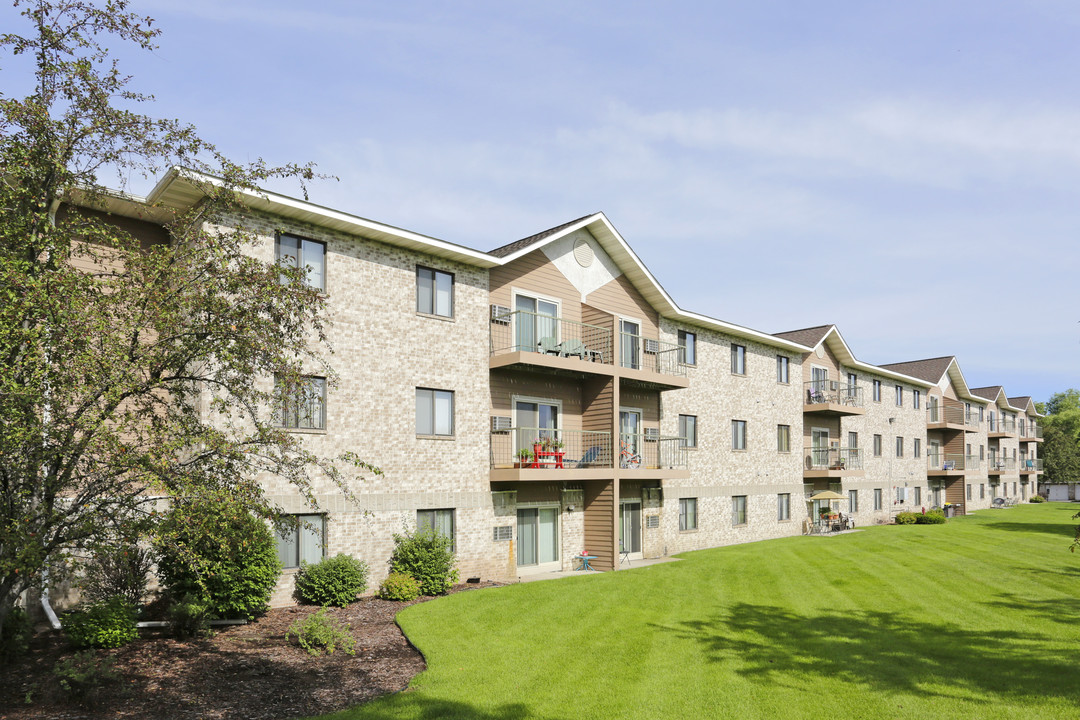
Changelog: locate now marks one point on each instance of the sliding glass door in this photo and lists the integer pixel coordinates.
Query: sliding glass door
(538, 536)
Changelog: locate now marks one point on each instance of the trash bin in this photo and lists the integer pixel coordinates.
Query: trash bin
(950, 510)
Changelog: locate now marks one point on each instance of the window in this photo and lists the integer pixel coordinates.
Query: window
(301, 540)
(916, 396)
(782, 369)
(982, 490)
(918, 496)
(738, 434)
(295, 252)
(687, 348)
(738, 359)
(853, 500)
(967, 411)
(434, 412)
(968, 453)
(877, 391)
(899, 446)
(877, 446)
(687, 514)
(783, 438)
(969, 491)
(301, 405)
(877, 498)
(852, 440)
(783, 506)
(434, 292)
(982, 453)
(852, 381)
(441, 521)
(981, 411)
(688, 430)
(918, 447)
(738, 510)
(899, 396)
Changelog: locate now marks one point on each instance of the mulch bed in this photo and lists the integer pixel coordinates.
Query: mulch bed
(244, 672)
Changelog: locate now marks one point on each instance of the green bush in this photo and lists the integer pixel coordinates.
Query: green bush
(190, 617)
(214, 549)
(318, 633)
(117, 570)
(905, 518)
(82, 672)
(399, 586)
(15, 639)
(103, 625)
(332, 581)
(428, 557)
(1037, 499)
(934, 517)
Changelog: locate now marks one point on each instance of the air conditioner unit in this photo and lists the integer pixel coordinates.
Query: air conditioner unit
(652, 434)
(834, 385)
(500, 315)
(500, 423)
(652, 346)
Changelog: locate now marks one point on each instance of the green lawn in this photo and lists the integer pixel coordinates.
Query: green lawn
(979, 618)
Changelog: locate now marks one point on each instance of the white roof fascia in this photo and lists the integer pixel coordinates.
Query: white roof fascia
(853, 362)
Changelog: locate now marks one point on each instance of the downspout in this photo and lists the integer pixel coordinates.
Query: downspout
(49, 612)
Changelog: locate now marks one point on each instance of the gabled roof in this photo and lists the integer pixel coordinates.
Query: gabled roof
(830, 337)
(1025, 403)
(996, 394)
(182, 189)
(934, 369)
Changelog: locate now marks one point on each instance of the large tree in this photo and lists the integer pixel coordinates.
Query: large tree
(130, 370)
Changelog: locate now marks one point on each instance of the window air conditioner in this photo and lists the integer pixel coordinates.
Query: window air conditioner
(500, 423)
(500, 315)
(652, 434)
(652, 346)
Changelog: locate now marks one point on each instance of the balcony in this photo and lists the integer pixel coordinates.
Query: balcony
(972, 421)
(547, 454)
(1029, 466)
(1032, 432)
(999, 465)
(650, 456)
(949, 464)
(832, 462)
(945, 417)
(529, 338)
(1001, 427)
(831, 397)
(643, 359)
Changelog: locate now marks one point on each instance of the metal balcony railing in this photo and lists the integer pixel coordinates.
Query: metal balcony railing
(1000, 464)
(651, 452)
(937, 413)
(833, 458)
(1030, 465)
(523, 331)
(972, 462)
(971, 419)
(832, 391)
(540, 448)
(948, 461)
(1002, 425)
(1031, 431)
(641, 353)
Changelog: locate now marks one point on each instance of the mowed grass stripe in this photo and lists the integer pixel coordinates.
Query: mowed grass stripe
(974, 619)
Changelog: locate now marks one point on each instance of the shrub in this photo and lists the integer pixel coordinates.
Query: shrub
(103, 625)
(15, 638)
(118, 570)
(214, 549)
(399, 586)
(905, 518)
(427, 556)
(82, 672)
(190, 617)
(933, 517)
(332, 581)
(1037, 499)
(318, 632)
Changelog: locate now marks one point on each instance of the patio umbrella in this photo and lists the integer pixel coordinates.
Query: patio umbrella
(827, 495)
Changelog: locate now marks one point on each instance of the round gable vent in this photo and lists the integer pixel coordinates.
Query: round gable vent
(583, 252)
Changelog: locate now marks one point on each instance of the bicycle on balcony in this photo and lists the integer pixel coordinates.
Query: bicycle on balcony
(628, 458)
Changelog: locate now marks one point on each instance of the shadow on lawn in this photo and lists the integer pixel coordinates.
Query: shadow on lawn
(1065, 529)
(430, 709)
(1065, 611)
(888, 651)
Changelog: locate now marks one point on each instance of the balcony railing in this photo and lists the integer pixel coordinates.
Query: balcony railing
(1002, 425)
(523, 331)
(937, 413)
(651, 452)
(972, 462)
(949, 461)
(833, 458)
(972, 419)
(546, 448)
(641, 353)
(1030, 465)
(1000, 464)
(834, 392)
(1031, 431)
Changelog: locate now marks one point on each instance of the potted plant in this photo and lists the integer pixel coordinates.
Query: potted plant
(524, 458)
(538, 447)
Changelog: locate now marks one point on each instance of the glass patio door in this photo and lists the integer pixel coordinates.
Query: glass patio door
(630, 527)
(630, 437)
(538, 536)
(534, 421)
(630, 344)
(819, 447)
(819, 377)
(536, 320)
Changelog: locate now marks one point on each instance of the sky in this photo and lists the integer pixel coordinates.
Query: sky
(908, 171)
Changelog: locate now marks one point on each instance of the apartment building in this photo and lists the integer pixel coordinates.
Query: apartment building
(549, 397)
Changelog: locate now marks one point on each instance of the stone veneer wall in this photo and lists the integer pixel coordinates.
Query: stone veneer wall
(717, 473)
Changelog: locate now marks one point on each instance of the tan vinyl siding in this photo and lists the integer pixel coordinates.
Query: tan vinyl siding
(620, 298)
(598, 398)
(600, 523)
(506, 385)
(534, 273)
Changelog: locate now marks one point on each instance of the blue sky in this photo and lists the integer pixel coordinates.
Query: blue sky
(924, 156)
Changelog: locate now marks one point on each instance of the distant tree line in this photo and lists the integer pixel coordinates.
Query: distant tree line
(1061, 436)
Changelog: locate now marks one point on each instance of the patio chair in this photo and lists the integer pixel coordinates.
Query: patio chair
(573, 347)
(590, 456)
(815, 396)
(548, 346)
(624, 554)
(948, 465)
